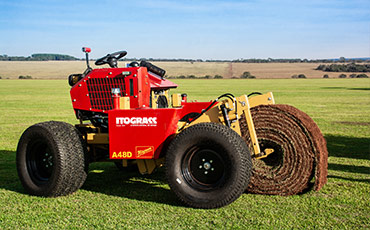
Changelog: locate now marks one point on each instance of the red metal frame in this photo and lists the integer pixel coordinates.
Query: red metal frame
(136, 129)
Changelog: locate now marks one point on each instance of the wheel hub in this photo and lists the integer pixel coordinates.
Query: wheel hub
(205, 167)
(47, 160)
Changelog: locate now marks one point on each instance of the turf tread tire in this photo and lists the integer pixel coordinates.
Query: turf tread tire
(70, 159)
(237, 155)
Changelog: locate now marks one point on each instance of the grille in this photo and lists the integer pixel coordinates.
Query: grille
(100, 91)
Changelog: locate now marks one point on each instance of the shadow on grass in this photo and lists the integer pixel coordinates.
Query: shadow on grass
(358, 88)
(348, 147)
(349, 168)
(103, 178)
(352, 148)
(8, 172)
(333, 87)
(106, 178)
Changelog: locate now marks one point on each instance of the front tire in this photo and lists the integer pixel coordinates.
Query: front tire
(208, 165)
(51, 159)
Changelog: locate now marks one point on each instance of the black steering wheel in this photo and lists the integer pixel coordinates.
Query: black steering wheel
(111, 59)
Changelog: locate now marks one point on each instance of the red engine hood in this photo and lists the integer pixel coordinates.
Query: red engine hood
(156, 82)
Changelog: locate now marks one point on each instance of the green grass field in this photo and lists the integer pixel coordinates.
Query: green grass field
(111, 199)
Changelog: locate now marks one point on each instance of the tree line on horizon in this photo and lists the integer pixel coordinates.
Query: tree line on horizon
(39, 57)
(63, 57)
(352, 67)
(267, 60)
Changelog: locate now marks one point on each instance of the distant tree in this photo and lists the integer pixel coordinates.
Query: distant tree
(56, 57)
(321, 67)
(24, 77)
(0, 77)
(342, 76)
(342, 59)
(362, 76)
(325, 76)
(295, 76)
(181, 77)
(218, 76)
(301, 76)
(353, 75)
(247, 75)
(207, 77)
(191, 76)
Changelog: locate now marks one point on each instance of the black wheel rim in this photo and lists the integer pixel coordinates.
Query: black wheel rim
(40, 162)
(203, 168)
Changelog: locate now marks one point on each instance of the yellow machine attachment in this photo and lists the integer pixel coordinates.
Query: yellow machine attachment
(230, 111)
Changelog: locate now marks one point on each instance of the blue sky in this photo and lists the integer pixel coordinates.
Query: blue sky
(188, 29)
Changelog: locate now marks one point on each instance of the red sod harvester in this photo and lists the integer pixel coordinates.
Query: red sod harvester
(207, 147)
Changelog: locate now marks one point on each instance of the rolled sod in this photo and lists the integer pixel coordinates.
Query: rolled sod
(300, 152)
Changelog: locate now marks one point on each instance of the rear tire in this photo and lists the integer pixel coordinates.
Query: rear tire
(208, 165)
(51, 159)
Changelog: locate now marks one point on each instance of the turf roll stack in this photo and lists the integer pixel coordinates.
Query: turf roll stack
(300, 154)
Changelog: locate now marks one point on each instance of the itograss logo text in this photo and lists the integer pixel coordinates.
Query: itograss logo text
(136, 121)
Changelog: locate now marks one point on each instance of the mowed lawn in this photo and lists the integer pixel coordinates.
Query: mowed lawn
(112, 199)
